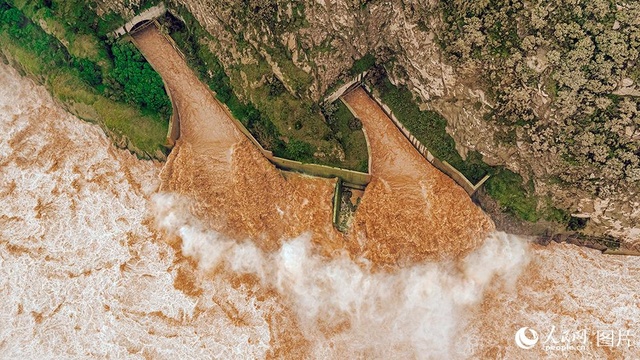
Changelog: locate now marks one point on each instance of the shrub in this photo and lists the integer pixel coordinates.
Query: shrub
(276, 87)
(363, 64)
(576, 223)
(140, 84)
(88, 71)
(506, 187)
(299, 150)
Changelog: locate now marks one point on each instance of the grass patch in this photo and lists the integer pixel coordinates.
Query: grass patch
(552, 213)
(147, 131)
(297, 78)
(31, 64)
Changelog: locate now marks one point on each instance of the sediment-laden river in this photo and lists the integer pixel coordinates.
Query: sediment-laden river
(218, 255)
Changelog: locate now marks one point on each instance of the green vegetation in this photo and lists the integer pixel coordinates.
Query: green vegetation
(110, 84)
(135, 82)
(348, 131)
(585, 49)
(28, 35)
(95, 71)
(507, 189)
(578, 52)
(551, 213)
(345, 204)
(298, 80)
(267, 14)
(576, 223)
(191, 39)
(577, 55)
(363, 64)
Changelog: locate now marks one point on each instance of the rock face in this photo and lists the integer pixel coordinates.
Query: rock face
(311, 44)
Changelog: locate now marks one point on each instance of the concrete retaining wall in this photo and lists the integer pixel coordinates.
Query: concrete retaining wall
(149, 14)
(174, 123)
(607, 244)
(622, 252)
(337, 203)
(443, 166)
(351, 178)
(353, 83)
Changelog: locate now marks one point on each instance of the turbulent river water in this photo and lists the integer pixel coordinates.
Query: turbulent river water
(216, 254)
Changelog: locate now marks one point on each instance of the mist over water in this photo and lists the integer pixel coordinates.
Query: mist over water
(347, 308)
